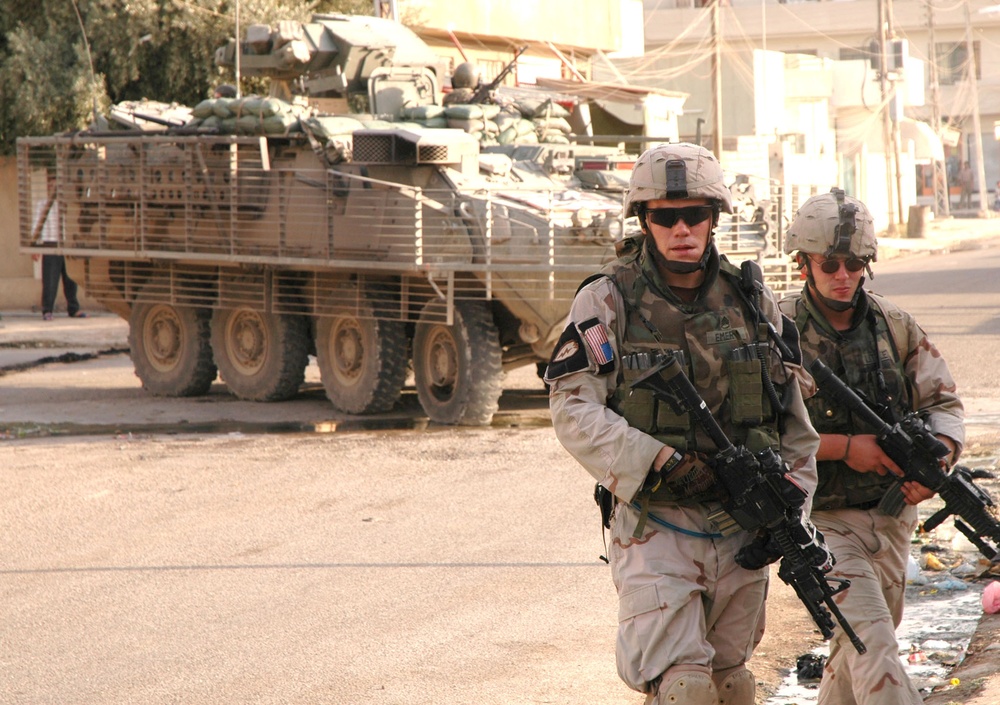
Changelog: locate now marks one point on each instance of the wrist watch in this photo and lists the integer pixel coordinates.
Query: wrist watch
(654, 478)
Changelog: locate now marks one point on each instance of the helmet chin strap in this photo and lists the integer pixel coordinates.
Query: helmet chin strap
(841, 305)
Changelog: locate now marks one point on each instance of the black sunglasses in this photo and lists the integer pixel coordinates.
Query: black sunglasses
(832, 266)
(669, 217)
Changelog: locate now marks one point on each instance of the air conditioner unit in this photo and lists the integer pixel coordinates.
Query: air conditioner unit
(896, 51)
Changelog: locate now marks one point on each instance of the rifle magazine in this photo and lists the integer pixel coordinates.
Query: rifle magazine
(721, 520)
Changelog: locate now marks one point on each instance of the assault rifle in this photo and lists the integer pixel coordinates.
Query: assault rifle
(761, 497)
(483, 92)
(918, 453)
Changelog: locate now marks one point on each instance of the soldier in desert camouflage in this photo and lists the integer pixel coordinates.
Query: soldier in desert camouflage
(878, 349)
(689, 615)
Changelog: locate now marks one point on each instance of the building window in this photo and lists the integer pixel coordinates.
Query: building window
(951, 61)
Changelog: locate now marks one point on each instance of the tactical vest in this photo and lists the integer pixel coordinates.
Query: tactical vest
(713, 337)
(867, 357)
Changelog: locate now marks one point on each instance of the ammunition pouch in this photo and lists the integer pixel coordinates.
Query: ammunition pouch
(640, 407)
(746, 388)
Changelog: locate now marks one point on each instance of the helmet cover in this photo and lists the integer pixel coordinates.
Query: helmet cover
(833, 224)
(466, 75)
(676, 171)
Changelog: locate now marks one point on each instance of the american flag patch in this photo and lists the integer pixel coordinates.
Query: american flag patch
(597, 340)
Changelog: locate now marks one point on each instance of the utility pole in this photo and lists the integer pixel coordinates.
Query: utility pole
(886, 119)
(977, 129)
(942, 197)
(239, 50)
(386, 9)
(896, 112)
(716, 81)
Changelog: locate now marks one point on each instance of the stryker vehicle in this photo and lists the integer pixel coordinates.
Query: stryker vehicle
(263, 231)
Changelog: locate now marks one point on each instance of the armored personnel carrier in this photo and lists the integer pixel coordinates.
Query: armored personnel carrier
(268, 228)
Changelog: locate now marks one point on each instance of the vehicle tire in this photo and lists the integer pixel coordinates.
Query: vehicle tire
(260, 356)
(362, 360)
(170, 350)
(457, 368)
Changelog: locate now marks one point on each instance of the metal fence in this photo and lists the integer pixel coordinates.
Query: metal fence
(167, 217)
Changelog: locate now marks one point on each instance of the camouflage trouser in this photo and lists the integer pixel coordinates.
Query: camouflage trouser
(871, 551)
(682, 599)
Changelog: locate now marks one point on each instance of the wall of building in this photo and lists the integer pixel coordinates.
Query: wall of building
(488, 33)
(596, 24)
(777, 121)
(18, 286)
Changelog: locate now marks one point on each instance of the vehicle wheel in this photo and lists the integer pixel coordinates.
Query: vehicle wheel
(261, 356)
(362, 360)
(170, 349)
(457, 368)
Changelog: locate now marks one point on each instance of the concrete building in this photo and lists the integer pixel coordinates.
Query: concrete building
(818, 108)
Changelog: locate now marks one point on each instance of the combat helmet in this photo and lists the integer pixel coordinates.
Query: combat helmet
(466, 75)
(676, 171)
(833, 224)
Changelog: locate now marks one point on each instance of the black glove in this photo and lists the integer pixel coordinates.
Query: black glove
(691, 477)
(761, 551)
(780, 478)
(764, 549)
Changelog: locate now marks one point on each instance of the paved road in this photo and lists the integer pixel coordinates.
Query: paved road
(347, 568)
(956, 298)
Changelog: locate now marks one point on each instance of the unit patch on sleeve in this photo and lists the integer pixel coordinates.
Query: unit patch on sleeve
(568, 356)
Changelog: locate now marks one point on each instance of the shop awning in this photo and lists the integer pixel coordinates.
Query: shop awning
(926, 144)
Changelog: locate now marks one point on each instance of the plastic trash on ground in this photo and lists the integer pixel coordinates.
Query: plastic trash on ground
(991, 598)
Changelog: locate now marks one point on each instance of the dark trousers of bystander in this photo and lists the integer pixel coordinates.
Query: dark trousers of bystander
(54, 271)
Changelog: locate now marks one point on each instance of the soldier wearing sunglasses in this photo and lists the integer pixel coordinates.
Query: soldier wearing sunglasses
(690, 613)
(878, 349)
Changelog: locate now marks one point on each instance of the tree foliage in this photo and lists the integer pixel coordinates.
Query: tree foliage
(55, 73)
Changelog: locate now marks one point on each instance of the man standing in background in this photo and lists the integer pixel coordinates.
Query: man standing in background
(46, 233)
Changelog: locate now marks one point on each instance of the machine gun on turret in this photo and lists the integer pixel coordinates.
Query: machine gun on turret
(371, 64)
(484, 91)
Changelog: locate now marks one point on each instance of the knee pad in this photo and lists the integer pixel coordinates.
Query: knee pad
(737, 688)
(686, 685)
